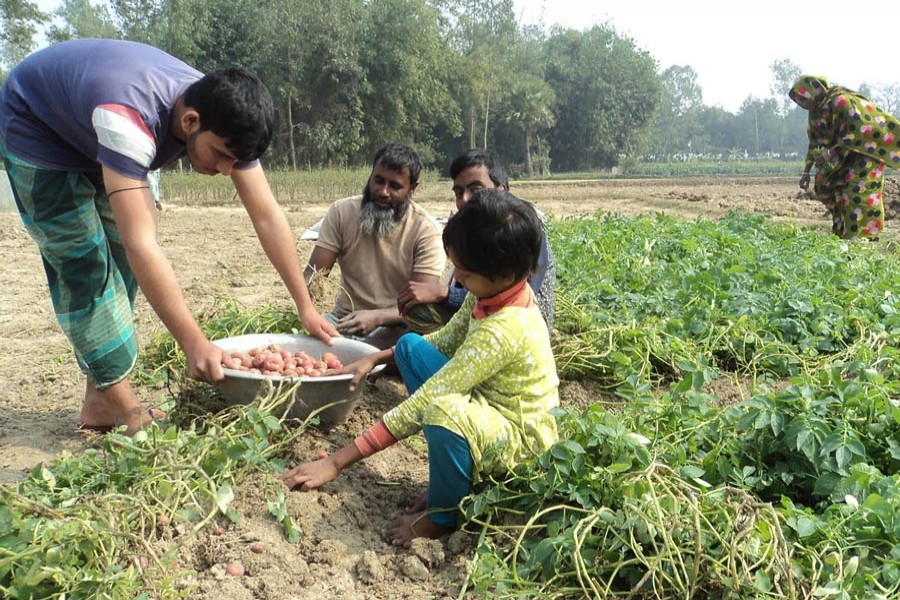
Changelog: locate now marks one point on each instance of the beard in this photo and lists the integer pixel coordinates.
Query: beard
(380, 221)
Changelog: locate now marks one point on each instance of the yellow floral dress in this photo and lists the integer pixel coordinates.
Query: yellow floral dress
(496, 390)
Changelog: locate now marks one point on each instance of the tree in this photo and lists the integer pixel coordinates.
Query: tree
(180, 27)
(484, 34)
(760, 126)
(137, 19)
(407, 95)
(528, 108)
(19, 22)
(675, 125)
(81, 19)
(887, 97)
(719, 131)
(607, 92)
(313, 59)
(784, 74)
(682, 92)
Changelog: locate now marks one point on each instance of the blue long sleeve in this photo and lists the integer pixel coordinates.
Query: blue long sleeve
(456, 297)
(537, 279)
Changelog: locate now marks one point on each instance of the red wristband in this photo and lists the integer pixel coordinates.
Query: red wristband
(374, 439)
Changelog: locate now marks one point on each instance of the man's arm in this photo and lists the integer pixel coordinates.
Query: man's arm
(277, 240)
(320, 261)
(423, 289)
(416, 293)
(362, 322)
(135, 216)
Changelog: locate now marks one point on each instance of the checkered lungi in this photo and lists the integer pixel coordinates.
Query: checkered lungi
(91, 284)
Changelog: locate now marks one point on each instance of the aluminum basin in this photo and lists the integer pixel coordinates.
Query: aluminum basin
(240, 387)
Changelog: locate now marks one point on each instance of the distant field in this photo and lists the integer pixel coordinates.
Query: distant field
(293, 188)
(324, 186)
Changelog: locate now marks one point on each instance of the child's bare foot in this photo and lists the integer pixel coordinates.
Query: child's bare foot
(418, 505)
(411, 526)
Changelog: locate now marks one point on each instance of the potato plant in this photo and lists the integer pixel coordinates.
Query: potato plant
(101, 525)
(790, 491)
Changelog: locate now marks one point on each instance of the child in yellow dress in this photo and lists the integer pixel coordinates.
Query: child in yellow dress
(481, 388)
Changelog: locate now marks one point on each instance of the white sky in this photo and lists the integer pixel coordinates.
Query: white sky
(731, 44)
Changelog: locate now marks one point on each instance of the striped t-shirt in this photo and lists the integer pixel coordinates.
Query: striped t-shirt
(81, 104)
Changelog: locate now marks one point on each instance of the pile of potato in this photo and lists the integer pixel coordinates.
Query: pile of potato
(274, 360)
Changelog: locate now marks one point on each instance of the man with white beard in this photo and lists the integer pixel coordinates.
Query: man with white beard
(381, 241)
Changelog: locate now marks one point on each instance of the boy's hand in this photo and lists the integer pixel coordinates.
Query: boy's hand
(318, 326)
(204, 362)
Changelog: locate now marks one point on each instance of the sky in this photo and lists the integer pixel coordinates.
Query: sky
(732, 44)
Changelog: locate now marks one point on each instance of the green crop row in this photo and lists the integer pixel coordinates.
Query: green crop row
(676, 493)
(640, 295)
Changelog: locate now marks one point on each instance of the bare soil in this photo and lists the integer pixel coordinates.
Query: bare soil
(217, 257)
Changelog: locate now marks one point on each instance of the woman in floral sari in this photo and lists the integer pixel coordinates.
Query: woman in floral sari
(851, 141)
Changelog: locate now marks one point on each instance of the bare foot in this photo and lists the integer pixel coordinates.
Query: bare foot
(418, 505)
(114, 406)
(411, 526)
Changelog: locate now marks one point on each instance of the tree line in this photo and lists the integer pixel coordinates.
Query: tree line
(348, 76)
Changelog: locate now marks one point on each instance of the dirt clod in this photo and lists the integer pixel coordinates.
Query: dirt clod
(369, 568)
(458, 542)
(412, 567)
(430, 552)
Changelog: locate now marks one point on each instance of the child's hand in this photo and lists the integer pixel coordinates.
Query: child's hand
(358, 369)
(311, 475)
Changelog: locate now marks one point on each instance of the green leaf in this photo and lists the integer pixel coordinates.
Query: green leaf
(777, 424)
(224, 497)
(826, 484)
(842, 457)
(291, 530)
(691, 472)
(878, 505)
(803, 525)
(619, 467)
(47, 476)
(572, 446)
(824, 592)
(832, 442)
(544, 550)
(762, 581)
(272, 423)
(233, 515)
